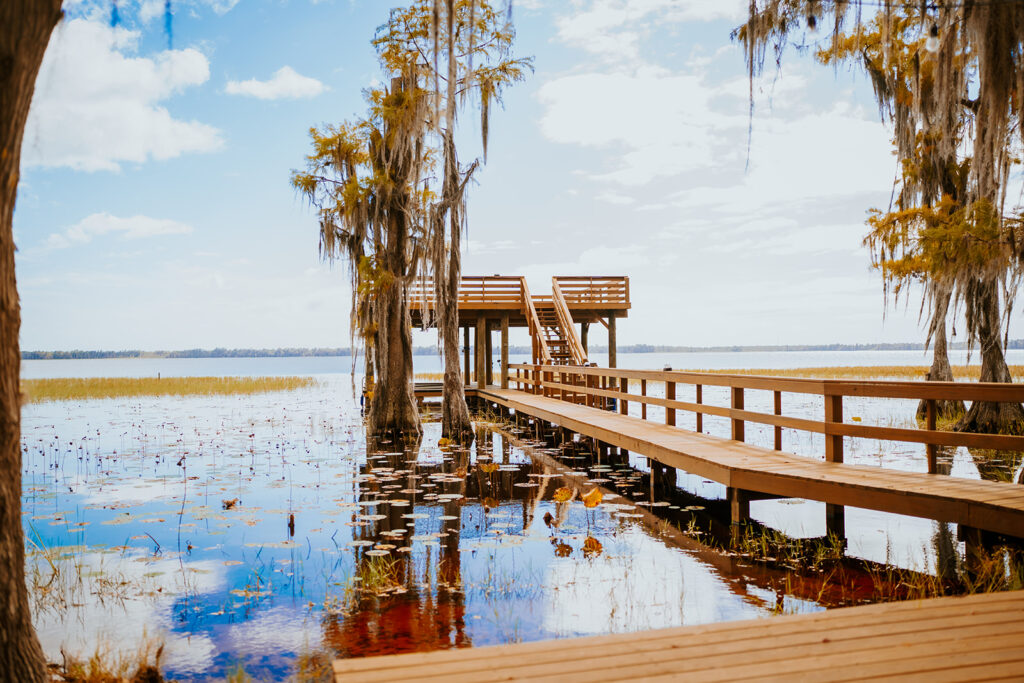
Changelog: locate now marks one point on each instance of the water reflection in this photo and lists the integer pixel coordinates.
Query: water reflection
(265, 529)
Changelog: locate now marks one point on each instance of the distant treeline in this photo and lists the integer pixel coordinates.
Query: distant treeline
(432, 350)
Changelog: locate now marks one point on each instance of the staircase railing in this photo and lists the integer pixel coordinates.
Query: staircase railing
(540, 346)
(576, 350)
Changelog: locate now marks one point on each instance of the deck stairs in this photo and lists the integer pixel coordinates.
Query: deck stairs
(553, 329)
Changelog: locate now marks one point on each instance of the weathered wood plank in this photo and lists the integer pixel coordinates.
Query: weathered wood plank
(979, 636)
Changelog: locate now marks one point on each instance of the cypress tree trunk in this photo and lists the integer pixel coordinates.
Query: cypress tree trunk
(393, 410)
(940, 370)
(455, 421)
(25, 27)
(988, 416)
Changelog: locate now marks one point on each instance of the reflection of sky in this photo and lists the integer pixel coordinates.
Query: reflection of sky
(146, 480)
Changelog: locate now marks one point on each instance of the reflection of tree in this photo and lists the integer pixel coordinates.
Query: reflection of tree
(430, 612)
(996, 465)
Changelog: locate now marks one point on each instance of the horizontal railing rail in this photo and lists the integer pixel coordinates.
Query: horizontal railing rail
(598, 387)
(596, 290)
(479, 290)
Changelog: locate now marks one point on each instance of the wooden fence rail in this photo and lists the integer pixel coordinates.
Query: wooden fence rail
(593, 386)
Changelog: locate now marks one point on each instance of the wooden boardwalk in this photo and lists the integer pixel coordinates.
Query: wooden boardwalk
(979, 637)
(993, 506)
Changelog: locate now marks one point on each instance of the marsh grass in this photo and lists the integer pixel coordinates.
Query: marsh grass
(901, 372)
(75, 388)
(107, 666)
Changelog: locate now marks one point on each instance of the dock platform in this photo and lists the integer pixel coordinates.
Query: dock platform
(988, 505)
(977, 637)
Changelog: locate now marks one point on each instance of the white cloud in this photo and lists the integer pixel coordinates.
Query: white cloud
(97, 104)
(104, 224)
(613, 29)
(286, 83)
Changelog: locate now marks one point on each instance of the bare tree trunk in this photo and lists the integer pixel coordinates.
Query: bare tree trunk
(940, 370)
(988, 416)
(25, 27)
(455, 421)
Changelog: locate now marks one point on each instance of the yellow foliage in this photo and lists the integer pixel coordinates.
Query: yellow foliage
(488, 467)
(593, 498)
(562, 494)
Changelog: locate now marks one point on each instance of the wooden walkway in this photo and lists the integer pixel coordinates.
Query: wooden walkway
(993, 506)
(979, 637)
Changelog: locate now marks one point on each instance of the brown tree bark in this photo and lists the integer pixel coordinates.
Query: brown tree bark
(393, 410)
(988, 416)
(940, 370)
(25, 27)
(455, 420)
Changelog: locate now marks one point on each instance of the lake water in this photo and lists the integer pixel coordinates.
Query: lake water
(264, 531)
(199, 367)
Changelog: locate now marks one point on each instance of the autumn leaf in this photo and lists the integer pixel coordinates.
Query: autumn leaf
(444, 442)
(488, 467)
(562, 494)
(592, 499)
(461, 472)
(592, 546)
(563, 550)
(490, 503)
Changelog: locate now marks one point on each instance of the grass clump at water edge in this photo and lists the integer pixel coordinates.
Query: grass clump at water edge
(80, 388)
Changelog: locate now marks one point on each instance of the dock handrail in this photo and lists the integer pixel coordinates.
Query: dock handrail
(474, 290)
(579, 355)
(605, 290)
(592, 386)
(541, 351)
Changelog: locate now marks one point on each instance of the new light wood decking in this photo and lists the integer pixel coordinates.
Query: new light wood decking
(993, 506)
(979, 637)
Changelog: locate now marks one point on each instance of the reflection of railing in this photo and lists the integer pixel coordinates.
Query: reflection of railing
(540, 347)
(594, 291)
(579, 356)
(595, 387)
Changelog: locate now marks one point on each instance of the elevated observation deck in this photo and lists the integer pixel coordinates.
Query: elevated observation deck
(486, 301)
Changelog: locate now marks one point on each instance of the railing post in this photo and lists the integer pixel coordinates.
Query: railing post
(737, 404)
(700, 416)
(623, 403)
(670, 394)
(561, 390)
(933, 450)
(778, 429)
(835, 515)
(833, 415)
(643, 404)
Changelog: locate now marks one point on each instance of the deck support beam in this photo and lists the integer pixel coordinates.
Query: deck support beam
(612, 353)
(481, 368)
(467, 370)
(489, 352)
(739, 505)
(504, 351)
(584, 333)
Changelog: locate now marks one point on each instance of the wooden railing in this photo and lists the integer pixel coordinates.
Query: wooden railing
(495, 291)
(540, 347)
(594, 387)
(579, 355)
(612, 291)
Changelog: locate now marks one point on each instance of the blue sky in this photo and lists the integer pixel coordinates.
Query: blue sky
(154, 209)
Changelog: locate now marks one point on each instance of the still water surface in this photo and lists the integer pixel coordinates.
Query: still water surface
(258, 530)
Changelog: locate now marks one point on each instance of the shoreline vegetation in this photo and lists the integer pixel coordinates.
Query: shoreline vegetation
(318, 352)
(82, 388)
